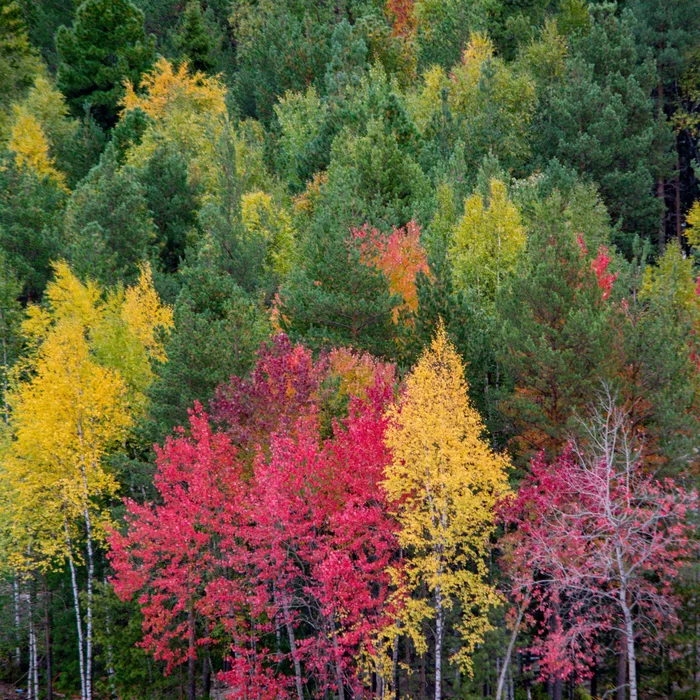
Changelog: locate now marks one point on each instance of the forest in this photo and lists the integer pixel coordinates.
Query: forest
(349, 349)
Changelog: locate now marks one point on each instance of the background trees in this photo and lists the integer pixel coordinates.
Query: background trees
(196, 178)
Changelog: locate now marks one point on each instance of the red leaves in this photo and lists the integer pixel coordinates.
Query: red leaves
(600, 267)
(592, 527)
(400, 257)
(297, 551)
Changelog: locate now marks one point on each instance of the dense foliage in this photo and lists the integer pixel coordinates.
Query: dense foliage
(349, 350)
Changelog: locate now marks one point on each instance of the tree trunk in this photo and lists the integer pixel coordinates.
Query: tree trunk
(395, 668)
(631, 655)
(338, 667)
(18, 621)
(293, 648)
(90, 577)
(78, 617)
(192, 659)
(47, 641)
(509, 653)
(206, 677)
(438, 642)
(621, 693)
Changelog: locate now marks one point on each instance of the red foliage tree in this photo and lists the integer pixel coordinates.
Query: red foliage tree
(290, 559)
(597, 545)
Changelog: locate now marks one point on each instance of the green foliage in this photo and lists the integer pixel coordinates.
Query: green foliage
(193, 41)
(105, 46)
(108, 227)
(600, 119)
(19, 63)
(218, 330)
(31, 211)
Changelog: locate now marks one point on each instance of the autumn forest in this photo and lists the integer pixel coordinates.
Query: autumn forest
(349, 349)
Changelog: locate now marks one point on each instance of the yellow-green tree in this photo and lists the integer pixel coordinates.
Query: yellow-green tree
(74, 402)
(487, 241)
(446, 481)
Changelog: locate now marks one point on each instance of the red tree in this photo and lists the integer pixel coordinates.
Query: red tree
(597, 545)
(290, 559)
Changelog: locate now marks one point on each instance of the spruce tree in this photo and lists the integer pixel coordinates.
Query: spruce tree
(106, 45)
(193, 40)
(19, 63)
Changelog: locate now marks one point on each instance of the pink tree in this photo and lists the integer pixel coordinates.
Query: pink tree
(596, 546)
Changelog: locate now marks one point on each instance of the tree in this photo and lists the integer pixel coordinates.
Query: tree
(297, 549)
(108, 227)
(19, 63)
(218, 329)
(193, 40)
(445, 481)
(598, 544)
(106, 46)
(487, 241)
(84, 387)
(600, 115)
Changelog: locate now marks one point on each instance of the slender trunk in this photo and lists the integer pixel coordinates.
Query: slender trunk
(110, 655)
(293, 647)
(90, 577)
(78, 617)
(192, 660)
(438, 642)
(30, 644)
(18, 621)
(621, 693)
(509, 652)
(631, 655)
(47, 641)
(395, 668)
(35, 663)
(338, 667)
(558, 690)
(206, 677)
(678, 192)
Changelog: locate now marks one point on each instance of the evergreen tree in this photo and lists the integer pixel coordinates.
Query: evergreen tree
(218, 329)
(173, 203)
(108, 228)
(106, 46)
(600, 119)
(19, 63)
(31, 211)
(193, 40)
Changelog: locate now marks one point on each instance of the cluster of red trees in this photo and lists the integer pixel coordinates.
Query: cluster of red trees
(272, 532)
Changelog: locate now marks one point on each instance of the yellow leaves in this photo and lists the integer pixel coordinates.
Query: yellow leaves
(86, 379)
(692, 231)
(145, 315)
(262, 217)
(168, 90)
(446, 481)
(487, 241)
(672, 281)
(31, 147)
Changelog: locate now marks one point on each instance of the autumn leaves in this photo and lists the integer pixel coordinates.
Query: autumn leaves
(337, 540)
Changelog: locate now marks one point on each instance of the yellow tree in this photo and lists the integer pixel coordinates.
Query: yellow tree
(487, 241)
(445, 480)
(83, 381)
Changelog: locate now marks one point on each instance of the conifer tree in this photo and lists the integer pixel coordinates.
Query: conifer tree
(193, 40)
(106, 46)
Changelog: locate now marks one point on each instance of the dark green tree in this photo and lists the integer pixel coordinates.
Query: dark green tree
(106, 45)
(173, 204)
(31, 212)
(218, 328)
(600, 119)
(193, 40)
(108, 227)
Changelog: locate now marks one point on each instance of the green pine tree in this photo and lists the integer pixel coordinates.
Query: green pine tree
(193, 40)
(106, 45)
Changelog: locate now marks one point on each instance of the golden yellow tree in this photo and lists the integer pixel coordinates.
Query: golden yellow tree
(445, 480)
(88, 367)
(487, 241)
